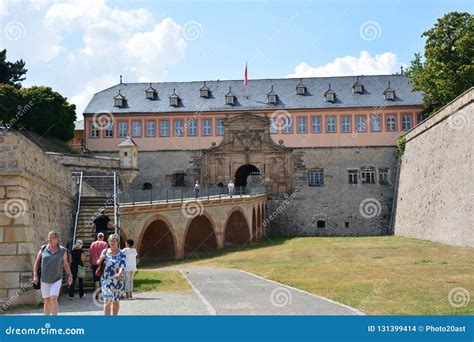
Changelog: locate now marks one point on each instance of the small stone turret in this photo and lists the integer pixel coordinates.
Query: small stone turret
(128, 153)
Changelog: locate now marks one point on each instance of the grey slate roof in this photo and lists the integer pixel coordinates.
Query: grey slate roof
(128, 141)
(188, 92)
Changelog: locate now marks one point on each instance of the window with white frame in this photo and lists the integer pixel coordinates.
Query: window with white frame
(360, 121)
(316, 177)
(220, 126)
(288, 125)
(391, 123)
(352, 176)
(302, 127)
(316, 124)
(192, 127)
(95, 130)
(406, 122)
(178, 128)
(207, 127)
(164, 128)
(375, 119)
(273, 126)
(368, 176)
(331, 124)
(383, 176)
(150, 128)
(346, 124)
(137, 129)
(123, 129)
(109, 130)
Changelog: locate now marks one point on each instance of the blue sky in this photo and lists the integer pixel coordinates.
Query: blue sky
(81, 47)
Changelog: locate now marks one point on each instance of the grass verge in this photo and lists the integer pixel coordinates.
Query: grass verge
(151, 280)
(387, 275)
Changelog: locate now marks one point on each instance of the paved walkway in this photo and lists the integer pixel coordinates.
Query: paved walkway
(216, 291)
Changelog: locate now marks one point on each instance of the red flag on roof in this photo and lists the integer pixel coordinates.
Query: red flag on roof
(246, 80)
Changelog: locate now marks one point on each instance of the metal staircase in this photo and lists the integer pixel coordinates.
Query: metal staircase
(93, 193)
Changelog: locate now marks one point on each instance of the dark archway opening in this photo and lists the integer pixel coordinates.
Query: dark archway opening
(147, 186)
(157, 243)
(200, 237)
(243, 172)
(259, 223)
(254, 225)
(236, 230)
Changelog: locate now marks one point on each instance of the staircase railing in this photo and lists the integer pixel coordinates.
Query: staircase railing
(116, 205)
(78, 205)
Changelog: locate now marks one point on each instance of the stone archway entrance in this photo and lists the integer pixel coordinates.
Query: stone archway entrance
(247, 147)
(242, 174)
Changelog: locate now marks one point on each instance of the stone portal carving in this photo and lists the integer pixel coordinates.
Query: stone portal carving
(247, 141)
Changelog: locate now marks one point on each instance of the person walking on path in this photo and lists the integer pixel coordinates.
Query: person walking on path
(102, 223)
(50, 261)
(196, 189)
(131, 268)
(77, 268)
(114, 263)
(231, 187)
(95, 250)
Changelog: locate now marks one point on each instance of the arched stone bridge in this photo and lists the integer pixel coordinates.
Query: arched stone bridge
(174, 230)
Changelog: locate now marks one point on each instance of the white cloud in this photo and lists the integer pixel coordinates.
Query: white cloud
(82, 46)
(365, 64)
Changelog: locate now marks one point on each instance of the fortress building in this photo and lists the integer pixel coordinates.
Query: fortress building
(324, 148)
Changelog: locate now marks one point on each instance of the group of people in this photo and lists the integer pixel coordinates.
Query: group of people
(113, 270)
(230, 186)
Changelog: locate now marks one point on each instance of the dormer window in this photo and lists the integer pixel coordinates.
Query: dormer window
(119, 100)
(230, 98)
(174, 99)
(272, 97)
(389, 93)
(300, 88)
(330, 95)
(358, 87)
(150, 93)
(205, 91)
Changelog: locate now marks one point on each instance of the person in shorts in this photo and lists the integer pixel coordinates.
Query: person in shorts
(51, 259)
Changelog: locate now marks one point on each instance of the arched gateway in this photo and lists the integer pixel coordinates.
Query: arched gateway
(247, 148)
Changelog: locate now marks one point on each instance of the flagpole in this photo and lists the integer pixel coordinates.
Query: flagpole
(246, 81)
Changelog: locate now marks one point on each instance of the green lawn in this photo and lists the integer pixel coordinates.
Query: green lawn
(150, 280)
(378, 275)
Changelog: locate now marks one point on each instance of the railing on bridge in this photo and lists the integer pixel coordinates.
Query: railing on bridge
(182, 194)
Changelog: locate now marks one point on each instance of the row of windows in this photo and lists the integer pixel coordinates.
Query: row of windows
(180, 127)
(361, 124)
(190, 127)
(354, 176)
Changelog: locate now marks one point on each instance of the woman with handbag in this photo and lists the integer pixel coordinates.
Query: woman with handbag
(48, 272)
(111, 267)
(78, 270)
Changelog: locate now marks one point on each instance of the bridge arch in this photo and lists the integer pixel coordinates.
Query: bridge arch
(259, 222)
(200, 235)
(157, 241)
(254, 225)
(236, 228)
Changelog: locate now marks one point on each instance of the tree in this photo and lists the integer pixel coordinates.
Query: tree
(11, 73)
(37, 109)
(448, 67)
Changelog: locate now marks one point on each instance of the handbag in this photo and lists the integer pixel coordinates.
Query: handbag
(81, 271)
(100, 269)
(37, 286)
